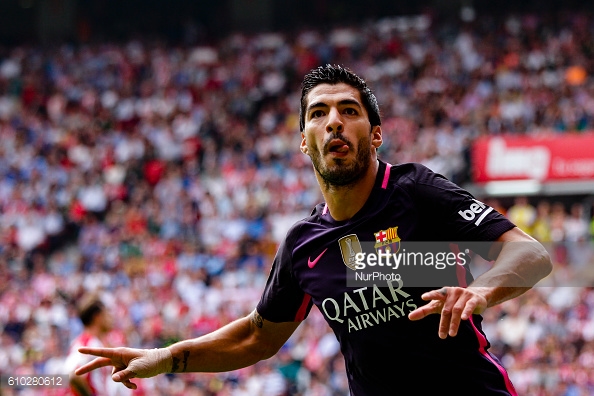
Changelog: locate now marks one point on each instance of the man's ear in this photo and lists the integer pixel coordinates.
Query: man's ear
(376, 136)
(303, 146)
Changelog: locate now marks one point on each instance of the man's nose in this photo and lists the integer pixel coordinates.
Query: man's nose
(334, 121)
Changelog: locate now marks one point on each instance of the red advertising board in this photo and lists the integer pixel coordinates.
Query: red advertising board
(548, 158)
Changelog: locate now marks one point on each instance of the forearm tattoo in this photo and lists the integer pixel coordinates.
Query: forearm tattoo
(257, 320)
(186, 356)
(175, 365)
(176, 362)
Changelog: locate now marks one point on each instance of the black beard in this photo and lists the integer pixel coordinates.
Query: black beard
(339, 174)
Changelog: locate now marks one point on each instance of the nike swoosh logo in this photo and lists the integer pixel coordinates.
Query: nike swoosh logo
(311, 264)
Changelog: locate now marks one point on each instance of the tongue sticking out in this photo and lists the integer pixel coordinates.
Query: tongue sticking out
(341, 149)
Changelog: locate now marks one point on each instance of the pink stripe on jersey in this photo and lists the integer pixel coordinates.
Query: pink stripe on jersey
(482, 344)
(386, 176)
(461, 275)
(325, 209)
(300, 315)
(460, 271)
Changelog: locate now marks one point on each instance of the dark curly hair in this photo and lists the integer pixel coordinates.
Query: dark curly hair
(335, 74)
(88, 309)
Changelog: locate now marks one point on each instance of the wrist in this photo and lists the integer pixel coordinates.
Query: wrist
(164, 359)
(486, 293)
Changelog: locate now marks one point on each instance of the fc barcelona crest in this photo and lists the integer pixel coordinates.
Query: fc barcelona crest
(349, 247)
(387, 239)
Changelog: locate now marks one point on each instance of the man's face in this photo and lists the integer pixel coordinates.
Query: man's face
(338, 136)
(106, 321)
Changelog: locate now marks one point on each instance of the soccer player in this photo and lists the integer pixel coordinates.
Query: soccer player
(390, 338)
(97, 322)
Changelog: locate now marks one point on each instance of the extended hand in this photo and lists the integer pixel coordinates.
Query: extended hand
(454, 304)
(128, 363)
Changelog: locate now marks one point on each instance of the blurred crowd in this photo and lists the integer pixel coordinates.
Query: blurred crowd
(163, 178)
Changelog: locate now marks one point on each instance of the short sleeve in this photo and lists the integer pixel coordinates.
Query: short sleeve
(456, 215)
(283, 300)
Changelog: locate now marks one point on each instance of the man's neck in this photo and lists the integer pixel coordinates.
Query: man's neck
(95, 332)
(345, 201)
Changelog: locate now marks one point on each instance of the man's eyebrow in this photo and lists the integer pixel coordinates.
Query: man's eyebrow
(343, 102)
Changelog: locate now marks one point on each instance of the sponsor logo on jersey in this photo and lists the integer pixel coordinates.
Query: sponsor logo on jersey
(385, 239)
(476, 209)
(349, 247)
(369, 306)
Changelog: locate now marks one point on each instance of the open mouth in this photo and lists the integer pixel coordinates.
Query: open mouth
(337, 146)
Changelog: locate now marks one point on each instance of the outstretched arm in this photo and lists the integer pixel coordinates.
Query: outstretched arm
(236, 345)
(521, 262)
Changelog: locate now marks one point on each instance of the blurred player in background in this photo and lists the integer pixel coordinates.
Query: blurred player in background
(388, 334)
(97, 322)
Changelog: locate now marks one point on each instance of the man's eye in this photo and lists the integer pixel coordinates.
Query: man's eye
(350, 111)
(317, 113)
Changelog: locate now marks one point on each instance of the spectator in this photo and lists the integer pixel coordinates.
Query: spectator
(523, 214)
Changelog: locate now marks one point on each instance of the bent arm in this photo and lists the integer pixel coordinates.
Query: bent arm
(239, 344)
(521, 262)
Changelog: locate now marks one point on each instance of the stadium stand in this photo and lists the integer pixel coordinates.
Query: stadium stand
(162, 178)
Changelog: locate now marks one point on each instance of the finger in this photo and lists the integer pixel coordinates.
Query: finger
(457, 312)
(444, 321)
(433, 307)
(469, 309)
(94, 364)
(129, 384)
(451, 311)
(123, 376)
(439, 294)
(103, 352)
